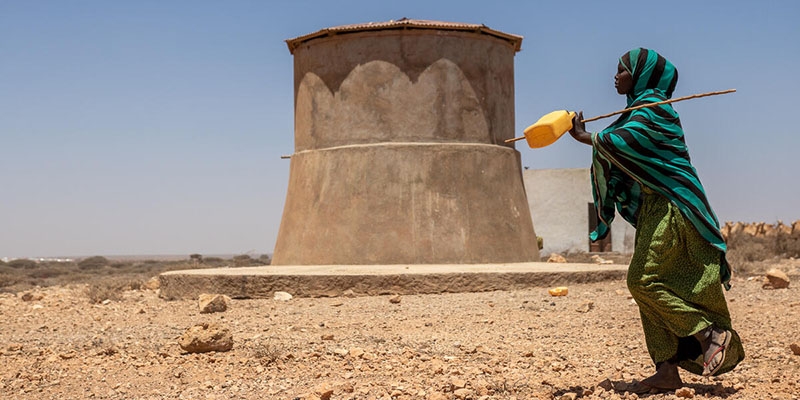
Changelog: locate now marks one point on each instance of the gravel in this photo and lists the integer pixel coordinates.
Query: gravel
(522, 344)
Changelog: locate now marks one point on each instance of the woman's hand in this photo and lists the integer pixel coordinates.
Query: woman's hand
(578, 130)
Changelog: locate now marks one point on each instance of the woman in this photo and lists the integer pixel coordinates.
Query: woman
(641, 167)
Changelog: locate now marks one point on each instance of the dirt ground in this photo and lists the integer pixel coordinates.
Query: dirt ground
(493, 345)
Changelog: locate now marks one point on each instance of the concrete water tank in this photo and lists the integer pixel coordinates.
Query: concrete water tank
(399, 155)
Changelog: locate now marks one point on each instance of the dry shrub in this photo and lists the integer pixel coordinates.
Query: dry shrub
(111, 289)
(750, 254)
(103, 347)
(744, 253)
(21, 275)
(48, 271)
(504, 387)
(121, 265)
(243, 260)
(23, 263)
(95, 262)
(267, 352)
(8, 276)
(183, 265)
(788, 245)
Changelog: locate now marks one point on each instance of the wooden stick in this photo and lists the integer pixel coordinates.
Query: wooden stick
(694, 96)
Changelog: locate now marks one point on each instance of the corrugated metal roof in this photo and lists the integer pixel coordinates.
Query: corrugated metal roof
(405, 23)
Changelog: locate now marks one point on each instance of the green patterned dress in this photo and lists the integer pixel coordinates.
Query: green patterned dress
(674, 277)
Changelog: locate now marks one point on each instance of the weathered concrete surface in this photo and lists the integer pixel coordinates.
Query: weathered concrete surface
(399, 153)
(369, 280)
(405, 204)
(377, 86)
(559, 204)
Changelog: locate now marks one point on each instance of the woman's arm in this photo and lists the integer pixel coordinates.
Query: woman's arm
(578, 130)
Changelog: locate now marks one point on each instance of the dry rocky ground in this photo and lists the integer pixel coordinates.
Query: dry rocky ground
(55, 344)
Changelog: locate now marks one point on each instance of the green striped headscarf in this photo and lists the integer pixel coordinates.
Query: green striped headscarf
(646, 148)
(649, 71)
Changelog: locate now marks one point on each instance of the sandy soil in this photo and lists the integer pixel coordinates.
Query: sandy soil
(495, 345)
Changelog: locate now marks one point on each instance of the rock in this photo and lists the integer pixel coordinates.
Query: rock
(795, 348)
(395, 300)
(600, 260)
(206, 337)
(585, 307)
(324, 392)
(437, 396)
(558, 291)
(620, 386)
(458, 383)
(340, 352)
(463, 393)
(529, 352)
(211, 303)
(347, 387)
(327, 336)
(556, 258)
(28, 296)
(282, 296)
(152, 284)
(356, 352)
(569, 396)
(349, 293)
(684, 392)
(777, 279)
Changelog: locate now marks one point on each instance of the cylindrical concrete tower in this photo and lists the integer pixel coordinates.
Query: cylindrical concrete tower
(399, 154)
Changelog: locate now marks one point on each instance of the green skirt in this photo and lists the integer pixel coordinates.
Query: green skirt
(674, 278)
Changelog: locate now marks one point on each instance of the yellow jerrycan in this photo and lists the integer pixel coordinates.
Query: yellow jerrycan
(549, 128)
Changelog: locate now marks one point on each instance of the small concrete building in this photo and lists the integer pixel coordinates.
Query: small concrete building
(562, 208)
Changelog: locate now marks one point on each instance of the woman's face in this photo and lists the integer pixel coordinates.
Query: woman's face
(623, 80)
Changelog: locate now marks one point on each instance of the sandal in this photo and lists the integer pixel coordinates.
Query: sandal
(719, 354)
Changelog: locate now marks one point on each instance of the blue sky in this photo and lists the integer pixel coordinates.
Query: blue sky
(156, 127)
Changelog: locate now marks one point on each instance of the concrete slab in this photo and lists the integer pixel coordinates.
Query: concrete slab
(370, 280)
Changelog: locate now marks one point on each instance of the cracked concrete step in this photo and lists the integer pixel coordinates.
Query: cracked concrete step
(370, 280)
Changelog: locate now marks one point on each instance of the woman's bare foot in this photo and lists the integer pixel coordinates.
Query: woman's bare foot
(666, 378)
